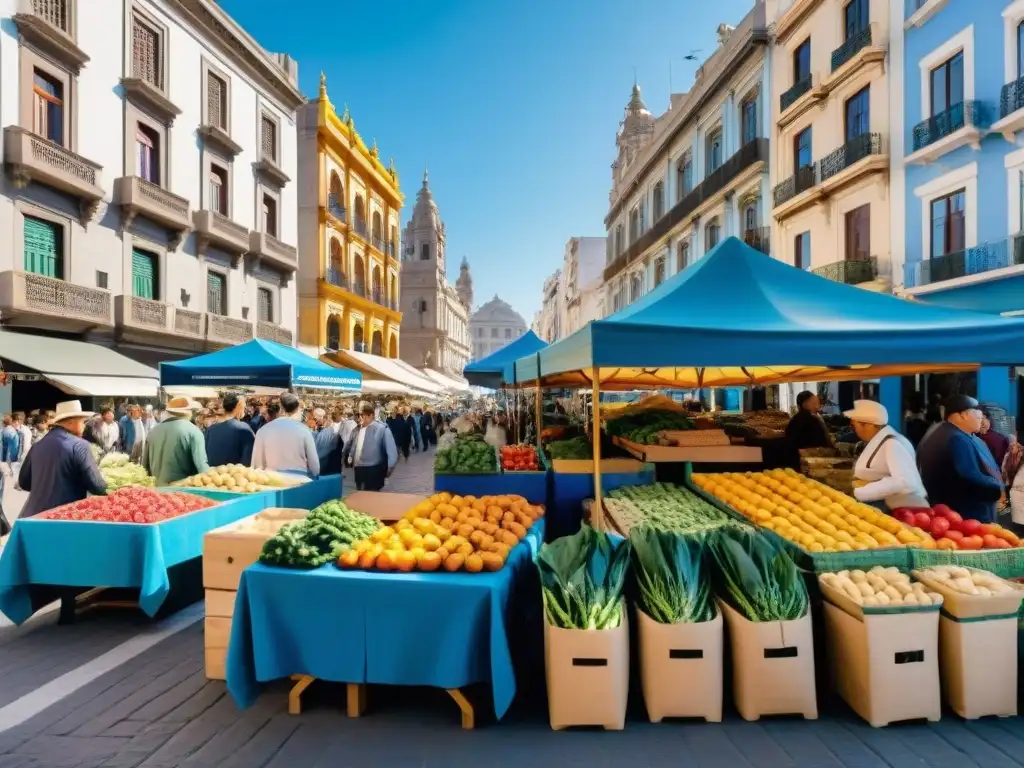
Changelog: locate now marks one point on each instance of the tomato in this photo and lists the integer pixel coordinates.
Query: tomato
(955, 535)
(939, 527)
(971, 527)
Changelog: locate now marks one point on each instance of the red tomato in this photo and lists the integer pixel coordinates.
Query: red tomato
(940, 526)
(923, 521)
(971, 527)
(955, 535)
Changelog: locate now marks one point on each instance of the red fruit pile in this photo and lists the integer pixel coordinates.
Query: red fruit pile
(129, 505)
(519, 458)
(951, 531)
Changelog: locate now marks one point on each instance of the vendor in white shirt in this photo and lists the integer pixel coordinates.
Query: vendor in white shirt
(886, 470)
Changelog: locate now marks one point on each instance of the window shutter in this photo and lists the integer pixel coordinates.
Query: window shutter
(215, 293)
(43, 248)
(215, 101)
(268, 138)
(144, 275)
(146, 54)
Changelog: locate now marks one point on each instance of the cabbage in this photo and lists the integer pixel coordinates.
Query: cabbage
(118, 471)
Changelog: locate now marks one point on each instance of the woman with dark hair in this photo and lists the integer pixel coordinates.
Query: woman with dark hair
(997, 442)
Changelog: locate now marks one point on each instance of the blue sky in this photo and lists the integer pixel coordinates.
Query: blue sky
(512, 105)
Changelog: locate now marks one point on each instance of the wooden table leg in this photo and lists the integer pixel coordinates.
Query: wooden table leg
(468, 718)
(356, 695)
(295, 694)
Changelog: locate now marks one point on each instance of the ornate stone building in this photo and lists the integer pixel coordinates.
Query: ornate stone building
(435, 315)
(493, 326)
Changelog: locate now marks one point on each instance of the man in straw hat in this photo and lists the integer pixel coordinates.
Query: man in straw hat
(60, 467)
(175, 449)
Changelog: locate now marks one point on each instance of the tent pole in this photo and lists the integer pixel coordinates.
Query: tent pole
(597, 514)
(537, 405)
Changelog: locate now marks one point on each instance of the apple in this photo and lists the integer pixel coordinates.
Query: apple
(923, 521)
(940, 526)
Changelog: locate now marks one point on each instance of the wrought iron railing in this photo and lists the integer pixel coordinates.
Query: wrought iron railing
(854, 150)
(805, 178)
(335, 207)
(951, 120)
(855, 42)
(976, 260)
(850, 271)
(337, 277)
(800, 87)
(759, 238)
(1012, 97)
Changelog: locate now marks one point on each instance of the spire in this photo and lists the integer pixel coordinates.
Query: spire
(465, 263)
(426, 178)
(373, 150)
(323, 85)
(636, 101)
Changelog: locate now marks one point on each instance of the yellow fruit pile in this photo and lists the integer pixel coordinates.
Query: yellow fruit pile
(450, 532)
(809, 513)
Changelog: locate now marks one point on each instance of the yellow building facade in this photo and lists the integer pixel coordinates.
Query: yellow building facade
(350, 206)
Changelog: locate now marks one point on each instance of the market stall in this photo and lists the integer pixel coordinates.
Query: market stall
(490, 371)
(473, 467)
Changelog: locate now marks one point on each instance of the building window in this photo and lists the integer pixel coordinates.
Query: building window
(494, 333)
(947, 222)
(802, 149)
(711, 235)
(216, 293)
(425, 252)
(659, 271)
(855, 17)
(1020, 50)
(219, 190)
(333, 332)
(947, 84)
(144, 275)
(508, 333)
(216, 101)
(268, 138)
(802, 251)
(714, 151)
(618, 240)
(147, 56)
(264, 305)
(635, 288)
(101, 279)
(634, 225)
(48, 112)
(858, 113)
(683, 255)
(269, 215)
(659, 200)
(802, 61)
(44, 248)
(750, 217)
(858, 233)
(748, 119)
(147, 148)
(684, 176)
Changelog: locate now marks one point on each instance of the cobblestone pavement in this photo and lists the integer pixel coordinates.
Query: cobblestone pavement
(157, 710)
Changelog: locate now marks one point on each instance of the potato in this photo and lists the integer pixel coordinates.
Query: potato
(866, 590)
(892, 593)
(858, 576)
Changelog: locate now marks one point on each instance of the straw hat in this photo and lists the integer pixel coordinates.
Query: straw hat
(70, 409)
(181, 406)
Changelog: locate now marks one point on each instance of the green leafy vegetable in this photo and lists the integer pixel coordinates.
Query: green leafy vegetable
(573, 448)
(582, 579)
(666, 507)
(757, 578)
(671, 574)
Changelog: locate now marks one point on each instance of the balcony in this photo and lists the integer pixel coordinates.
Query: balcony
(789, 97)
(273, 332)
(359, 288)
(759, 239)
(961, 125)
(336, 278)
(854, 43)
(850, 271)
(861, 154)
(139, 317)
(1011, 110)
(268, 248)
(804, 179)
(33, 158)
(136, 196)
(335, 208)
(49, 26)
(749, 156)
(360, 227)
(216, 229)
(268, 168)
(377, 243)
(30, 299)
(977, 260)
(227, 331)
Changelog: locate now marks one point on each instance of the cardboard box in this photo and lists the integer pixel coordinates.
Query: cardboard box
(587, 673)
(978, 661)
(964, 606)
(773, 666)
(382, 505)
(886, 666)
(230, 549)
(681, 668)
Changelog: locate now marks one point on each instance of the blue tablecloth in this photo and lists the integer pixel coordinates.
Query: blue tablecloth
(309, 495)
(71, 553)
(533, 486)
(444, 630)
(568, 492)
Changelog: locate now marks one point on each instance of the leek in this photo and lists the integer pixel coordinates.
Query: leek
(757, 578)
(672, 580)
(582, 580)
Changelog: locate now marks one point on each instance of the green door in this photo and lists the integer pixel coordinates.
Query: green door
(144, 275)
(43, 248)
(215, 293)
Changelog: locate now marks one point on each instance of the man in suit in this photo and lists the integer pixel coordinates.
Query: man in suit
(371, 451)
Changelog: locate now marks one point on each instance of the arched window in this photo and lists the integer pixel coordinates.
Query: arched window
(712, 233)
(336, 199)
(377, 343)
(359, 276)
(635, 288)
(683, 255)
(750, 217)
(393, 346)
(357, 338)
(659, 201)
(336, 270)
(360, 221)
(618, 240)
(684, 176)
(634, 225)
(378, 289)
(659, 271)
(333, 333)
(377, 232)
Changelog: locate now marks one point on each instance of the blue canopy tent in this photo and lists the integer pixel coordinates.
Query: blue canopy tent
(740, 317)
(258, 363)
(490, 371)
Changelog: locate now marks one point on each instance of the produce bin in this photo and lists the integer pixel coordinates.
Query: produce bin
(587, 673)
(772, 666)
(681, 668)
(1006, 563)
(886, 663)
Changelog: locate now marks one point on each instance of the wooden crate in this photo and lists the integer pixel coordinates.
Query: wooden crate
(230, 549)
(220, 603)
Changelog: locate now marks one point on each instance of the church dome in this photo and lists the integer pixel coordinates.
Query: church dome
(425, 213)
(637, 118)
(498, 311)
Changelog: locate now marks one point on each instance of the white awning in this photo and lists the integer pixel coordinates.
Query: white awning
(455, 385)
(104, 386)
(375, 368)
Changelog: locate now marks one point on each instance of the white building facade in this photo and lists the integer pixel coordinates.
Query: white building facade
(582, 268)
(493, 326)
(551, 319)
(149, 157)
(687, 179)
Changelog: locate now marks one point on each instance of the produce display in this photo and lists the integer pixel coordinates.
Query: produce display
(880, 587)
(519, 458)
(469, 455)
(238, 478)
(582, 580)
(129, 505)
(755, 577)
(809, 513)
(119, 471)
(450, 532)
(968, 581)
(322, 536)
(951, 531)
(573, 448)
(671, 576)
(666, 507)
(646, 426)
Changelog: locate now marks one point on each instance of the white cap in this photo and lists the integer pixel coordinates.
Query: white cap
(868, 412)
